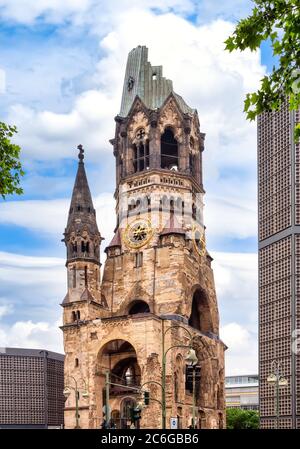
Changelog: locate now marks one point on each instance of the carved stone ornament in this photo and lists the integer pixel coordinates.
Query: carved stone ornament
(170, 117)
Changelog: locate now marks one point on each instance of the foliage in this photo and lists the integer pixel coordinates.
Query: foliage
(237, 418)
(10, 165)
(277, 21)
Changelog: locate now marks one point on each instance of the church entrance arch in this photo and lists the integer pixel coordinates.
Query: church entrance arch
(119, 358)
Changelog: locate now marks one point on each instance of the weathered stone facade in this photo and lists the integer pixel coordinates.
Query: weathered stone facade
(157, 278)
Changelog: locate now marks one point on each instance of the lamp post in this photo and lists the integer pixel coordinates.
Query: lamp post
(192, 359)
(67, 393)
(275, 378)
(164, 361)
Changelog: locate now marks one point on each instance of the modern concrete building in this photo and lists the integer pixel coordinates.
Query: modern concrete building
(31, 388)
(242, 392)
(279, 264)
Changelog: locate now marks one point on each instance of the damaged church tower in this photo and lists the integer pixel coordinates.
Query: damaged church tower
(156, 299)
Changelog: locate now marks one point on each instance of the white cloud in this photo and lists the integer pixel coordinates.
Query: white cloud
(50, 216)
(241, 356)
(236, 284)
(27, 334)
(81, 11)
(5, 309)
(237, 287)
(231, 217)
(2, 81)
(55, 11)
(193, 56)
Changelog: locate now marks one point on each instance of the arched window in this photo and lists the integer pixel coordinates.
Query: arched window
(169, 150)
(200, 317)
(85, 247)
(126, 406)
(127, 372)
(141, 160)
(139, 307)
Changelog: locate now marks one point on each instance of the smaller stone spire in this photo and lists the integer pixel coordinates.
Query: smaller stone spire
(82, 236)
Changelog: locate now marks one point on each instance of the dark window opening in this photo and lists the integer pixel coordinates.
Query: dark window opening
(139, 307)
(138, 260)
(85, 276)
(194, 211)
(141, 159)
(76, 363)
(74, 277)
(192, 161)
(200, 317)
(78, 208)
(169, 150)
(85, 247)
(75, 315)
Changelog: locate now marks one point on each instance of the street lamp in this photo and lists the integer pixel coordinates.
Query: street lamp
(275, 378)
(67, 392)
(192, 360)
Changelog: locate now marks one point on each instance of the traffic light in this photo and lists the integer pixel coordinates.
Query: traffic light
(146, 397)
(135, 414)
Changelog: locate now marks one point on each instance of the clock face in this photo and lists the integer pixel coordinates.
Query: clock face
(199, 240)
(138, 233)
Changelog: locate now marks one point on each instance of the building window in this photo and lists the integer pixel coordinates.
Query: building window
(169, 150)
(141, 159)
(76, 363)
(85, 247)
(75, 315)
(138, 260)
(85, 276)
(74, 277)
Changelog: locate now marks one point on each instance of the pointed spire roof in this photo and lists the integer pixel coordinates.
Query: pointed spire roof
(116, 240)
(82, 213)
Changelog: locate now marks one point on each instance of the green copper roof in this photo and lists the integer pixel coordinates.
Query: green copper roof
(146, 81)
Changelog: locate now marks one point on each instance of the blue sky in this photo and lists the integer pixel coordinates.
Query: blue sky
(63, 64)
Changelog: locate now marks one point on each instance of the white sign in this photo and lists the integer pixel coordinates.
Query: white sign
(173, 423)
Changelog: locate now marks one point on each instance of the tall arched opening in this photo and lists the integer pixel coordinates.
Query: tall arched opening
(119, 359)
(200, 317)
